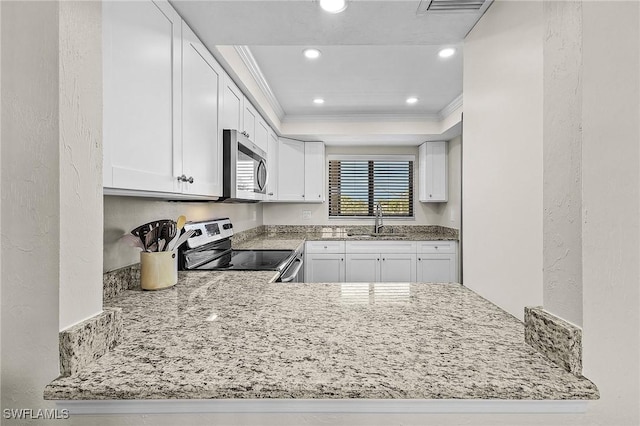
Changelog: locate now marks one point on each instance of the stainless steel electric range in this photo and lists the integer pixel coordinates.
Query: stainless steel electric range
(210, 249)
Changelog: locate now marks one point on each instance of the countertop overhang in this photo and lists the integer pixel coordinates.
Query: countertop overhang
(233, 335)
(235, 341)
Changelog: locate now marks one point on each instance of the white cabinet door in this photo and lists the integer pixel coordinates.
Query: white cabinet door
(314, 166)
(141, 71)
(324, 268)
(201, 140)
(250, 118)
(232, 105)
(397, 267)
(291, 170)
(437, 268)
(272, 167)
(433, 172)
(362, 268)
(262, 134)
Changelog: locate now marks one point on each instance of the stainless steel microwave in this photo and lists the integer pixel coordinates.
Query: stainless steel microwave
(244, 168)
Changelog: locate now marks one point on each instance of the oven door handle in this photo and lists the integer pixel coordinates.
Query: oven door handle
(294, 273)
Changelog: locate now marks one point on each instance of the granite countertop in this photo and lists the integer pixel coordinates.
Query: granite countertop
(288, 237)
(231, 334)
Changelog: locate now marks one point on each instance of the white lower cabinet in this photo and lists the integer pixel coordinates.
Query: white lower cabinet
(324, 261)
(381, 261)
(363, 267)
(437, 268)
(381, 267)
(324, 268)
(398, 267)
(437, 261)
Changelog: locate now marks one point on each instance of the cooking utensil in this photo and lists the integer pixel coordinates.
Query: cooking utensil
(142, 230)
(161, 243)
(184, 237)
(151, 238)
(133, 241)
(168, 230)
(179, 225)
(181, 221)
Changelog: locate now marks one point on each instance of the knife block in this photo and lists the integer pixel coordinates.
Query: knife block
(158, 270)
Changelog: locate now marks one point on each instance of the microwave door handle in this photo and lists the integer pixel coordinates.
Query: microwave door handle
(262, 185)
(294, 273)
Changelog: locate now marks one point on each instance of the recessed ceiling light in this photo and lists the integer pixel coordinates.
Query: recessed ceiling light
(412, 100)
(333, 6)
(446, 52)
(311, 53)
(318, 101)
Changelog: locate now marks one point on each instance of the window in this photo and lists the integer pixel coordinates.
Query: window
(357, 183)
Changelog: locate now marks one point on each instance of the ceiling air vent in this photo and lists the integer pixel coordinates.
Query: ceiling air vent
(452, 6)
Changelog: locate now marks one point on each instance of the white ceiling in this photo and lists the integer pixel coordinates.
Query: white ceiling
(374, 55)
(356, 80)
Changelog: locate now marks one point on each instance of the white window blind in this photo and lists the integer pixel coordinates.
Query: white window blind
(356, 185)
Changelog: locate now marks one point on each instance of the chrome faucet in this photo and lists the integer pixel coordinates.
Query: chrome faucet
(378, 224)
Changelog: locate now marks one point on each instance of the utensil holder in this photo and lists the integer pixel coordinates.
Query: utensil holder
(158, 270)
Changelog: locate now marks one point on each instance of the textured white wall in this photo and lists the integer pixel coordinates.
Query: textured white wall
(611, 208)
(502, 156)
(30, 207)
(562, 146)
(80, 64)
(425, 213)
(122, 214)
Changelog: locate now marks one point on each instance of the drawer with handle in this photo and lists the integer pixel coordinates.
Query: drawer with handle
(436, 247)
(325, 247)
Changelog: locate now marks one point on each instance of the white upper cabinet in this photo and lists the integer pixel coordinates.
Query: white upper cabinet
(314, 172)
(202, 81)
(433, 172)
(272, 167)
(262, 134)
(250, 119)
(141, 70)
(291, 170)
(232, 105)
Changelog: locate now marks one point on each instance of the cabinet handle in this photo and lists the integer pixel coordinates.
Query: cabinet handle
(436, 247)
(378, 259)
(325, 247)
(430, 195)
(302, 195)
(383, 259)
(419, 259)
(182, 178)
(341, 259)
(319, 195)
(190, 180)
(271, 193)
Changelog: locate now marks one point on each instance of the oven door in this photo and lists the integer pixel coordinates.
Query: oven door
(294, 273)
(251, 172)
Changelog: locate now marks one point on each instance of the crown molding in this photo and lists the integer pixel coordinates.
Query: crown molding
(247, 57)
(367, 118)
(453, 105)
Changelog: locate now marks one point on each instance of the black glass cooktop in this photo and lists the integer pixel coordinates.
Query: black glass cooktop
(257, 260)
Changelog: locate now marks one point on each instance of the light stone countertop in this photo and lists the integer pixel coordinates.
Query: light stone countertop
(230, 334)
(291, 237)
